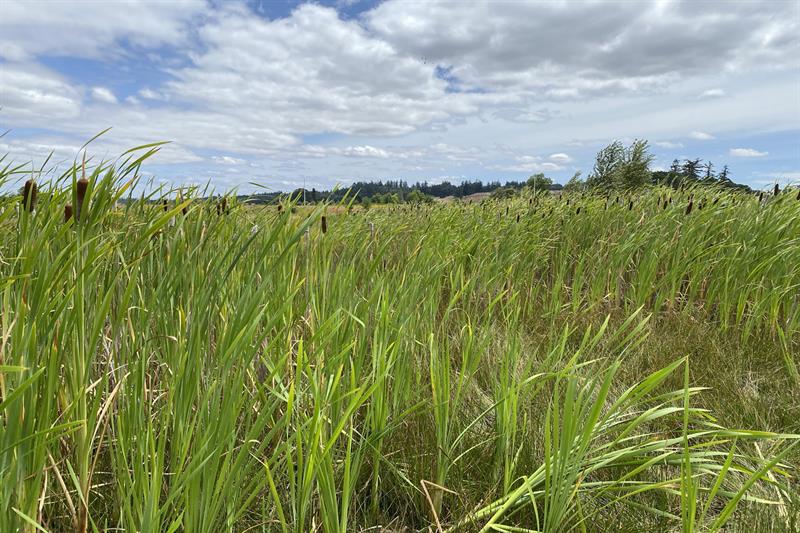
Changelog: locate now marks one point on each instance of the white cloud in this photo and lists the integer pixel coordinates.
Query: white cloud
(560, 158)
(746, 152)
(701, 136)
(102, 94)
(713, 93)
(91, 29)
(627, 47)
(227, 160)
(668, 144)
(406, 89)
(33, 95)
(527, 163)
(150, 94)
(365, 151)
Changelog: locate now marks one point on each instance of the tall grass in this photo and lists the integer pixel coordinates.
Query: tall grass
(526, 365)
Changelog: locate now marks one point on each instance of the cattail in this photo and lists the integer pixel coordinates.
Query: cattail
(506, 210)
(280, 208)
(578, 211)
(67, 213)
(761, 196)
(776, 190)
(324, 222)
(689, 207)
(80, 194)
(81, 186)
(518, 218)
(29, 193)
(165, 204)
(798, 194)
(665, 204)
(630, 205)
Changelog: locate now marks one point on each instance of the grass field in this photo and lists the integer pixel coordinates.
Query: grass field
(580, 363)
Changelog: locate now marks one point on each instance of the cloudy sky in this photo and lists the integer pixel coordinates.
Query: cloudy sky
(284, 92)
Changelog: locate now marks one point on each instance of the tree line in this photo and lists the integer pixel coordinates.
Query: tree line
(616, 167)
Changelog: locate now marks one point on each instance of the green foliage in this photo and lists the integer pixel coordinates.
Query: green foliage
(621, 168)
(575, 183)
(539, 182)
(503, 193)
(525, 364)
(417, 197)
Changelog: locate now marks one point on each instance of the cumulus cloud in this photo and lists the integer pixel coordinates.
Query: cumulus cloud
(432, 87)
(527, 163)
(560, 158)
(630, 47)
(92, 29)
(102, 94)
(746, 152)
(701, 136)
(227, 160)
(668, 144)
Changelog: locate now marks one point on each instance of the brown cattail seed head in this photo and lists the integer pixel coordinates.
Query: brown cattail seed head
(760, 196)
(578, 211)
(689, 207)
(165, 204)
(798, 193)
(517, 217)
(630, 205)
(67, 212)
(81, 186)
(324, 222)
(776, 190)
(29, 193)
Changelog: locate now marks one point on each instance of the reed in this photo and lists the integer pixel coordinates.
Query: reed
(419, 368)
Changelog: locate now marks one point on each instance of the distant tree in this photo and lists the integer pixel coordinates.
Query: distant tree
(575, 183)
(618, 167)
(709, 178)
(634, 172)
(691, 169)
(539, 182)
(417, 197)
(366, 201)
(606, 164)
(503, 192)
(724, 176)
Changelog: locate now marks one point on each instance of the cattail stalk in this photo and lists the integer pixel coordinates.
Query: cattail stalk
(324, 223)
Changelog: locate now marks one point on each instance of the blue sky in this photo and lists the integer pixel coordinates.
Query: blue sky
(282, 93)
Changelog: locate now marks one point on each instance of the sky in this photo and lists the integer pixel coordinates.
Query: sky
(280, 94)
